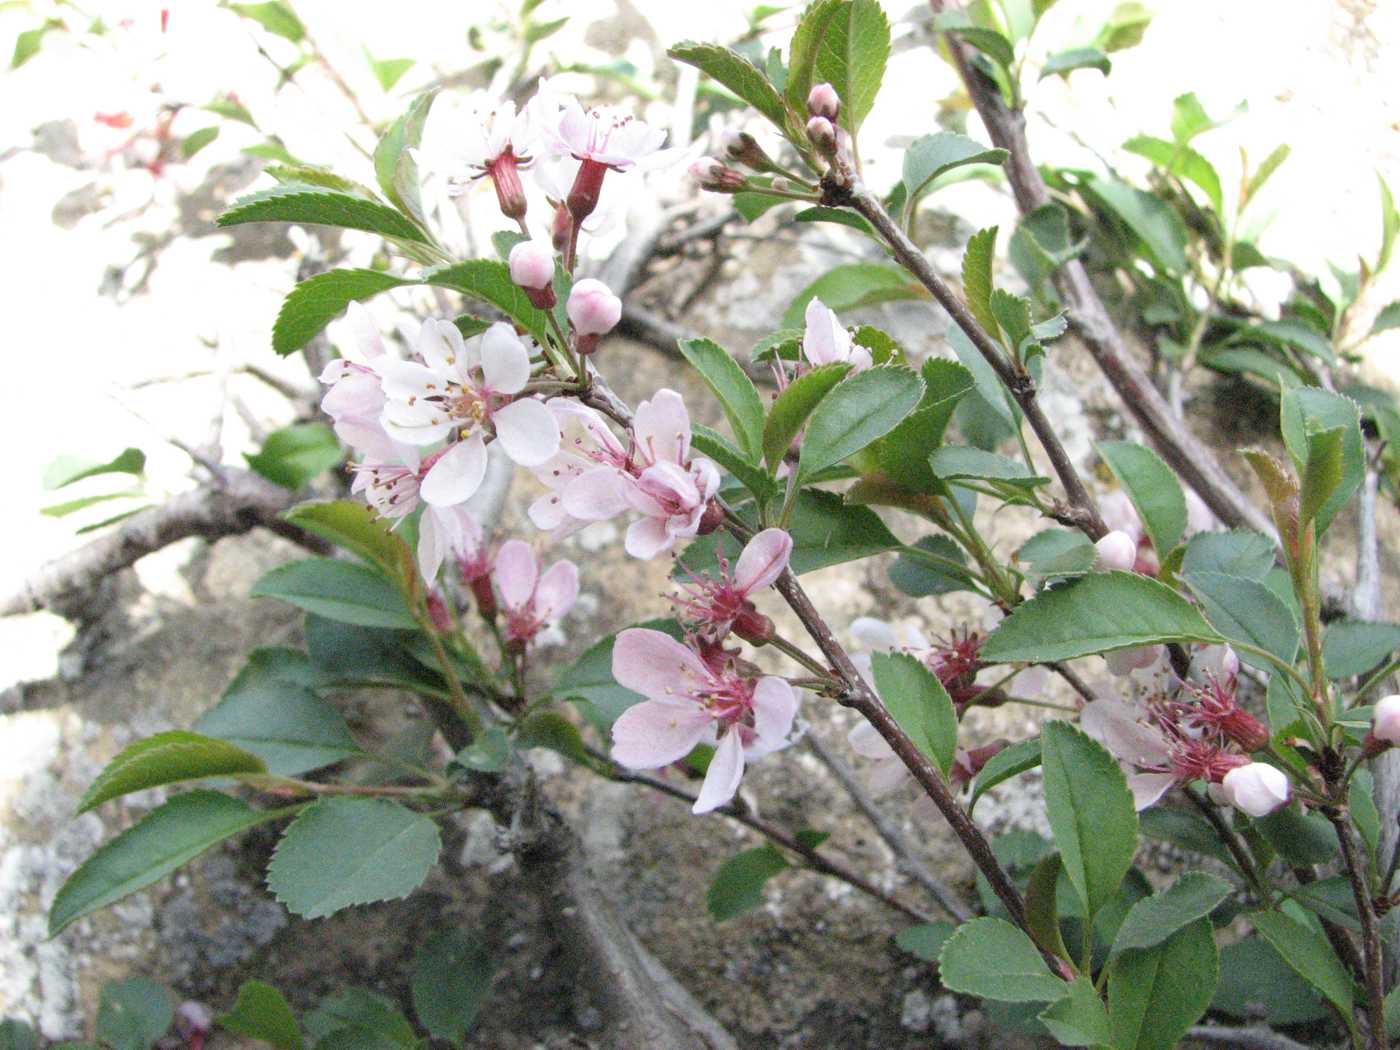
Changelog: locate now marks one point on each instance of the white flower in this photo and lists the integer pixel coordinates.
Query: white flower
(825, 340)
(1257, 788)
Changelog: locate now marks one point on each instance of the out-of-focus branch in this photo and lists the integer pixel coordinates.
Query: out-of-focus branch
(1177, 445)
(243, 501)
(1243, 1038)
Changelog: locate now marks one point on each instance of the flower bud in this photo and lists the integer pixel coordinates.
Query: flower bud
(532, 268)
(743, 148)
(715, 176)
(593, 309)
(510, 194)
(752, 626)
(485, 596)
(561, 226)
(822, 134)
(711, 518)
(1117, 551)
(438, 613)
(822, 101)
(1256, 788)
(1385, 720)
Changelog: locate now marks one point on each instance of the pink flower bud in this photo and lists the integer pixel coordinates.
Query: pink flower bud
(822, 134)
(593, 309)
(531, 265)
(822, 101)
(713, 175)
(1117, 551)
(1385, 721)
(1256, 788)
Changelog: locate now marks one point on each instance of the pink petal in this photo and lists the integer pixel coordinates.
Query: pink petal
(548, 512)
(527, 431)
(597, 494)
(725, 772)
(668, 483)
(662, 426)
(432, 545)
(650, 734)
(824, 340)
(504, 360)
(454, 477)
(648, 537)
(656, 665)
(516, 573)
(774, 707)
(763, 560)
(557, 591)
(1115, 725)
(1147, 788)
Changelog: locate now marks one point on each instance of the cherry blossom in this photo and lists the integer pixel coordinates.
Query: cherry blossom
(587, 478)
(825, 340)
(715, 605)
(671, 490)
(531, 599)
(498, 143)
(1256, 788)
(1385, 719)
(695, 696)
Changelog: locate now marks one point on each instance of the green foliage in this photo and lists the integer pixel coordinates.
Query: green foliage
(65, 470)
(925, 940)
(743, 78)
(354, 527)
(738, 885)
(855, 413)
(990, 958)
(339, 590)
(1241, 553)
(919, 703)
(275, 16)
(166, 838)
(1153, 489)
(1097, 613)
(1091, 812)
(1151, 220)
(1247, 611)
(1156, 994)
(317, 301)
(293, 456)
(851, 56)
(1062, 63)
(735, 391)
(168, 758)
(792, 407)
(197, 140)
(316, 205)
(852, 285)
(1354, 647)
(1305, 412)
(388, 71)
(933, 155)
(394, 165)
(916, 574)
(1001, 767)
(1308, 953)
(1255, 980)
(133, 1014)
(360, 1018)
(345, 851)
(955, 462)
(1057, 552)
(1079, 1019)
(262, 1013)
(978, 259)
(451, 979)
(1153, 919)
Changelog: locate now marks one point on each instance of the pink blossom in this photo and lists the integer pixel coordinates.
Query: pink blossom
(1385, 719)
(529, 598)
(355, 399)
(1123, 662)
(692, 699)
(599, 140)
(498, 143)
(822, 101)
(715, 605)
(825, 340)
(1256, 788)
(393, 485)
(593, 309)
(1116, 550)
(588, 477)
(671, 490)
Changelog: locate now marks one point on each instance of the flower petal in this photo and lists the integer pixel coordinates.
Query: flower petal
(457, 474)
(1116, 726)
(725, 772)
(763, 560)
(656, 665)
(505, 362)
(557, 591)
(597, 494)
(432, 545)
(1147, 788)
(774, 707)
(648, 537)
(528, 431)
(650, 734)
(662, 427)
(875, 635)
(516, 573)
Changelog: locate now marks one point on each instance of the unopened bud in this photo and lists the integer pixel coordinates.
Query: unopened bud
(438, 613)
(505, 176)
(967, 764)
(1256, 788)
(752, 626)
(1385, 719)
(532, 268)
(593, 309)
(587, 187)
(484, 595)
(561, 227)
(822, 134)
(711, 518)
(822, 101)
(715, 176)
(743, 148)
(1117, 551)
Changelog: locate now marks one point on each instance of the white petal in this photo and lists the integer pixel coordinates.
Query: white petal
(454, 477)
(557, 591)
(597, 494)
(866, 741)
(1115, 725)
(725, 772)
(656, 665)
(649, 734)
(528, 431)
(432, 346)
(762, 561)
(873, 634)
(774, 707)
(662, 426)
(1147, 788)
(648, 537)
(432, 546)
(516, 573)
(504, 360)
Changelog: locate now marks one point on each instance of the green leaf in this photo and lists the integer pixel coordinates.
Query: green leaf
(345, 851)
(932, 155)
(352, 525)
(1247, 611)
(1255, 982)
(1388, 318)
(1062, 63)
(394, 166)
(1124, 28)
(1097, 613)
(1323, 473)
(310, 174)
(719, 448)
(992, 959)
(1183, 829)
(65, 470)
(961, 461)
(359, 1019)
(451, 979)
(1296, 334)
(72, 506)
(315, 302)
(1179, 159)
(858, 411)
(276, 17)
(851, 58)
(28, 43)
(270, 710)
(837, 215)
(1265, 170)
(1306, 410)
(1090, 810)
(16, 1035)
(1042, 244)
(388, 71)
(919, 703)
(163, 840)
(552, 730)
(977, 278)
(197, 140)
(792, 407)
(735, 391)
(1354, 647)
(1300, 838)
(1005, 764)
(1150, 218)
(293, 456)
(1155, 995)
(739, 75)
(738, 885)
(488, 753)
(262, 1013)
(1079, 1019)
(1309, 954)
(920, 577)
(134, 1014)
(1153, 919)
(806, 40)
(316, 205)
(339, 590)
(851, 285)
(1236, 553)
(489, 281)
(167, 758)
(1057, 552)
(991, 43)
(925, 940)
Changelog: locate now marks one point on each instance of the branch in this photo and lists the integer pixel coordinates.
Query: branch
(884, 827)
(1177, 445)
(1243, 1038)
(239, 504)
(1370, 931)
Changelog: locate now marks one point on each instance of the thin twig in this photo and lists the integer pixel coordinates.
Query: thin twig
(1243, 1038)
(1370, 930)
(1232, 843)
